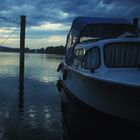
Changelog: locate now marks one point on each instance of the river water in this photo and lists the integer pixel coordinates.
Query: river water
(37, 114)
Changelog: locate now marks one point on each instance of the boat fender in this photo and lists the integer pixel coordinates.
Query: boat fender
(92, 70)
(59, 67)
(139, 66)
(65, 73)
(58, 85)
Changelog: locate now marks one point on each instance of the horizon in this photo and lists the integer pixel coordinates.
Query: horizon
(31, 48)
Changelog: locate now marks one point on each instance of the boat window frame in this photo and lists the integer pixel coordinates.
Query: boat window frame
(99, 58)
(71, 40)
(116, 66)
(80, 60)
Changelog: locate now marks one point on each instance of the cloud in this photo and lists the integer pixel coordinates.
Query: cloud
(63, 11)
(47, 18)
(50, 27)
(126, 2)
(9, 36)
(47, 30)
(53, 40)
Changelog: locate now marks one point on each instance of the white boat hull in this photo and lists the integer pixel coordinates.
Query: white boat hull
(114, 99)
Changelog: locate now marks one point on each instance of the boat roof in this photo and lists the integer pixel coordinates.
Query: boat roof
(80, 22)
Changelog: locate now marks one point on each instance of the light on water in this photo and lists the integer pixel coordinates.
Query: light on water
(37, 114)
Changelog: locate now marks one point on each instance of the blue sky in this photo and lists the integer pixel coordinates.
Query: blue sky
(48, 21)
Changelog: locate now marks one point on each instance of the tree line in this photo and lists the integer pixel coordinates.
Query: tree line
(48, 50)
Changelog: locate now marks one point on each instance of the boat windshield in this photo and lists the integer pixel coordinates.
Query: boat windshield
(122, 55)
(97, 32)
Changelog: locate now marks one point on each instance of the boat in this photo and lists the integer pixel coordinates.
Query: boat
(101, 71)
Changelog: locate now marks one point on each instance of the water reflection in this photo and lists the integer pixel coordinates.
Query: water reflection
(38, 115)
(21, 86)
(32, 111)
(47, 67)
(21, 101)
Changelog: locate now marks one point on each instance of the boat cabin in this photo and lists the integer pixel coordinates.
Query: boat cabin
(87, 30)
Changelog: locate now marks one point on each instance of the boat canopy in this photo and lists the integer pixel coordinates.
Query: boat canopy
(78, 35)
(93, 28)
(80, 22)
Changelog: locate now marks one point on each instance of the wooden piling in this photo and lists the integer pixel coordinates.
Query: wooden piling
(22, 51)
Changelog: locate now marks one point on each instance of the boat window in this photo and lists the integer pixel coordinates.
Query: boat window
(71, 40)
(91, 58)
(122, 55)
(97, 32)
(78, 57)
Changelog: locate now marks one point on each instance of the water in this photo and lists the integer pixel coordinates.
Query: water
(36, 114)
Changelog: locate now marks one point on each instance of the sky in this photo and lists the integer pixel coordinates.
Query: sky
(49, 21)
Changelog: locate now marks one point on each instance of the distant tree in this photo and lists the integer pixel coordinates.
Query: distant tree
(56, 50)
(49, 50)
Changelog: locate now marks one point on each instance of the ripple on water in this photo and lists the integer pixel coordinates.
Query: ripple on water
(40, 117)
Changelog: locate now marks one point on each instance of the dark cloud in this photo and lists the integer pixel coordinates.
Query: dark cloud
(63, 11)
(135, 2)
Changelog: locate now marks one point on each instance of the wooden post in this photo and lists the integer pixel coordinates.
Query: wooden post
(22, 50)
